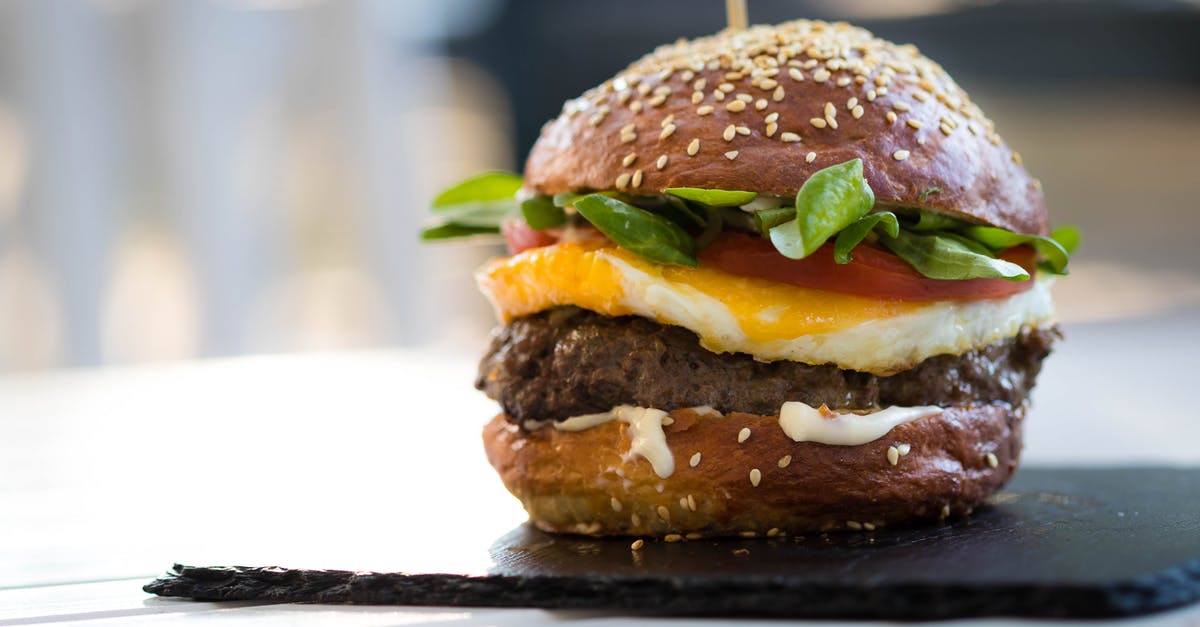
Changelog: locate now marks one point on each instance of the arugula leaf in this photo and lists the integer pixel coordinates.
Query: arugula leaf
(712, 197)
(476, 214)
(933, 221)
(853, 235)
(646, 234)
(449, 231)
(1067, 236)
(482, 188)
(540, 212)
(829, 201)
(940, 255)
(768, 219)
(996, 239)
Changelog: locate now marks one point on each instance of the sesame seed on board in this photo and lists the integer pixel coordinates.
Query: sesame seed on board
(743, 435)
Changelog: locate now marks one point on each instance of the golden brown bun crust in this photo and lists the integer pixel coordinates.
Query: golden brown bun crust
(578, 482)
(950, 144)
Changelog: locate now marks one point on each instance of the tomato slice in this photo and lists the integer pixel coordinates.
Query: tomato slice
(873, 271)
(519, 236)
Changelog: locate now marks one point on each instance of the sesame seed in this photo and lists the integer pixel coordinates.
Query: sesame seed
(784, 461)
(810, 157)
(902, 107)
(683, 502)
(700, 84)
(769, 84)
(725, 87)
(893, 455)
(637, 178)
(704, 110)
(778, 94)
(664, 513)
(851, 103)
(755, 477)
(736, 106)
(904, 448)
(1016, 156)
(760, 104)
(734, 76)
(913, 124)
(667, 120)
(945, 129)
(666, 132)
(623, 180)
(818, 122)
(746, 534)
(616, 505)
(693, 147)
(857, 112)
(772, 532)
(871, 95)
(945, 511)
(636, 106)
(832, 121)
(743, 435)
(628, 138)
(843, 81)
(992, 460)
(635, 519)
(687, 75)
(629, 158)
(637, 544)
(771, 128)
(697, 96)
(672, 537)
(657, 101)
(830, 110)
(691, 502)
(623, 96)
(796, 74)
(790, 137)
(718, 95)
(821, 75)
(771, 117)
(695, 535)
(854, 524)
(869, 526)
(729, 133)
(643, 89)
(661, 163)
(891, 117)
(695, 460)
(900, 155)
(743, 130)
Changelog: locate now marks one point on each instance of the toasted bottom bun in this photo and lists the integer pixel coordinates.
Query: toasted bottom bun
(586, 482)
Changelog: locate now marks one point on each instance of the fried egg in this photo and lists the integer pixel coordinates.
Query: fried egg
(766, 319)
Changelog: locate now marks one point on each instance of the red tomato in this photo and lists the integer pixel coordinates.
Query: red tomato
(872, 272)
(520, 236)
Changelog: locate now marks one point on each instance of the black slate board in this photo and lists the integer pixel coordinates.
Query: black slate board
(1056, 543)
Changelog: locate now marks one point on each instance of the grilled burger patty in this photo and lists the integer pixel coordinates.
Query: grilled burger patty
(569, 361)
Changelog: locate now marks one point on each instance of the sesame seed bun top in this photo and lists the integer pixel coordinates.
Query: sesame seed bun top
(762, 109)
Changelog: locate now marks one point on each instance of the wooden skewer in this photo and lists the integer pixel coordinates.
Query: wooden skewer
(735, 14)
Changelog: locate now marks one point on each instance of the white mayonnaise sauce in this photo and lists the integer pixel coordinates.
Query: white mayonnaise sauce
(803, 423)
(645, 429)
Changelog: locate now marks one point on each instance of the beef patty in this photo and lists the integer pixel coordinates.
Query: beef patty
(568, 361)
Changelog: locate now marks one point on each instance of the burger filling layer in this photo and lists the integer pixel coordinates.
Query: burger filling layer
(765, 319)
(568, 361)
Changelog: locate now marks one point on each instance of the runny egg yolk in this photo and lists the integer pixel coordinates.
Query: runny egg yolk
(612, 281)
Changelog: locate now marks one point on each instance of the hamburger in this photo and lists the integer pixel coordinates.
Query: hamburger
(782, 279)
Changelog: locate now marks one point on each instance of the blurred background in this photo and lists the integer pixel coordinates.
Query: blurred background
(195, 178)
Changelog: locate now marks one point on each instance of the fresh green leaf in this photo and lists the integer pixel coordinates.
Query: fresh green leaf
(829, 201)
(735, 218)
(476, 214)
(768, 219)
(1067, 236)
(942, 256)
(675, 210)
(932, 221)
(540, 212)
(644, 233)
(853, 235)
(484, 188)
(713, 197)
(565, 199)
(929, 191)
(450, 231)
(1056, 254)
(712, 228)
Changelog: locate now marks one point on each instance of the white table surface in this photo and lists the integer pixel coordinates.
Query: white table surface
(315, 460)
